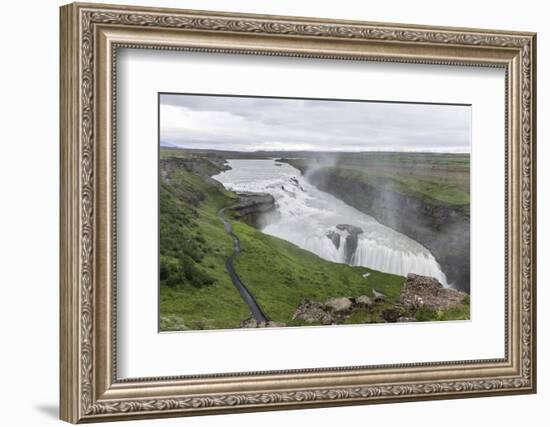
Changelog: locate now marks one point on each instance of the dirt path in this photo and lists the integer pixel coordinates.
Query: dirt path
(246, 295)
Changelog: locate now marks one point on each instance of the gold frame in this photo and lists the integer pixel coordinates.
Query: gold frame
(90, 35)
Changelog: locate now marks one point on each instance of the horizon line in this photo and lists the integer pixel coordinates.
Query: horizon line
(381, 150)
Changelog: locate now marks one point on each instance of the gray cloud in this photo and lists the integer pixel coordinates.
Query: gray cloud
(248, 124)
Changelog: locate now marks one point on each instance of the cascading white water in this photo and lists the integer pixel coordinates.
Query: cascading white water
(307, 217)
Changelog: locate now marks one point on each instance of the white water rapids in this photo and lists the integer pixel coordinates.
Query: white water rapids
(305, 215)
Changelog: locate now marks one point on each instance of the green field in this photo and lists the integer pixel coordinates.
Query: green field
(438, 179)
(195, 289)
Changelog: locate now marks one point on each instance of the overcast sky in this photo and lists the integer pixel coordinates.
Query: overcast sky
(250, 124)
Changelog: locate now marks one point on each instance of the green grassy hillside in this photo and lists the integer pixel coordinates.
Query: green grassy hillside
(195, 290)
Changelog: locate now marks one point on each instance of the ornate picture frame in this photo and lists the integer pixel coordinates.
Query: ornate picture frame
(90, 37)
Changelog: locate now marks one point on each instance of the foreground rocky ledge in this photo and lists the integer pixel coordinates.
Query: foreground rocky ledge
(418, 292)
(421, 291)
(333, 310)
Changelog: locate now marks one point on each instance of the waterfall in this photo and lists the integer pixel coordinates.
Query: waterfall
(323, 224)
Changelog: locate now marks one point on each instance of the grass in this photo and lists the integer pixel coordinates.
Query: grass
(456, 312)
(439, 179)
(195, 290)
(435, 192)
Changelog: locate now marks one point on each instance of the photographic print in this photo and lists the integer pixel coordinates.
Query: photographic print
(280, 212)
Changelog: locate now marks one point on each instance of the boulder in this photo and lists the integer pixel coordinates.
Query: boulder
(363, 301)
(252, 206)
(253, 203)
(339, 305)
(392, 314)
(352, 240)
(313, 312)
(351, 229)
(334, 238)
(250, 323)
(422, 291)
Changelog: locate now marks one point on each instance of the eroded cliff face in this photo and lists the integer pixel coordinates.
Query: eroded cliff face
(251, 206)
(444, 230)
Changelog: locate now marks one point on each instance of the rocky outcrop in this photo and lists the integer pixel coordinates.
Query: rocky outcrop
(339, 305)
(417, 292)
(444, 230)
(421, 291)
(251, 206)
(334, 238)
(350, 236)
(351, 229)
(332, 311)
(393, 314)
(313, 312)
(352, 240)
(363, 301)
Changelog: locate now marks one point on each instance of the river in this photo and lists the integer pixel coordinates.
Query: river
(322, 224)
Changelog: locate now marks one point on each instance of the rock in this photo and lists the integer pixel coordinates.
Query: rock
(253, 323)
(391, 315)
(334, 238)
(249, 323)
(351, 229)
(294, 181)
(339, 305)
(272, 324)
(363, 301)
(313, 312)
(252, 205)
(352, 240)
(422, 291)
